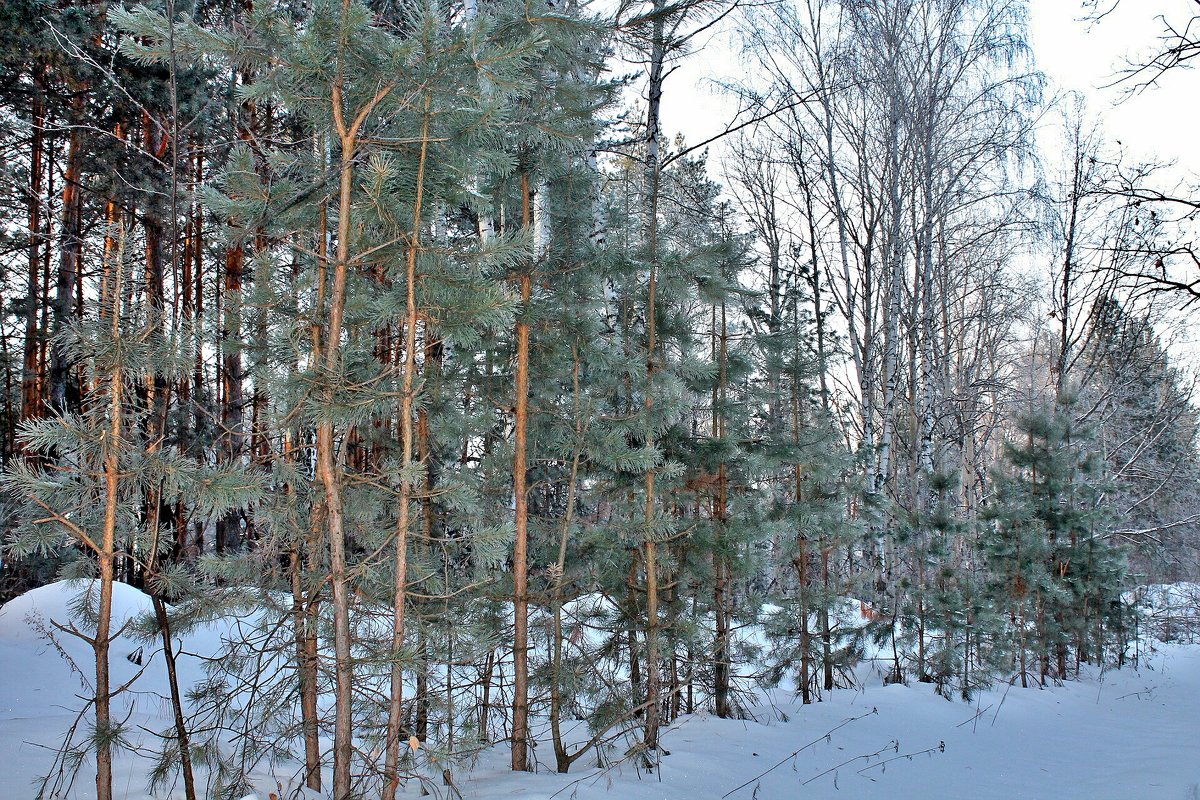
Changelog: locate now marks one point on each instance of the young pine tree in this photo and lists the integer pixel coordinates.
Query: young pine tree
(1051, 565)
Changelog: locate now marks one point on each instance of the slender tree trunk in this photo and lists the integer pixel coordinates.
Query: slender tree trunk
(310, 657)
(32, 381)
(826, 632)
(106, 553)
(156, 142)
(421, 726)
(433, 355)
(63, 394)
(721, 666)
(861, 342)
(674, 688)
(329, 468)
(306, 594)
(182, 738)
(653, 176)
(635, 661)
(407, 389)
(520, 733)
(303, 606)
(801, 563)
(196, 398)
(562, 758)
(330, 473)
(104, 725)
(45, 323)
(232, 436)
(722, 612)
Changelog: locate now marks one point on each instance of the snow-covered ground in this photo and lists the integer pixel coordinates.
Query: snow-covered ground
(1125, 735)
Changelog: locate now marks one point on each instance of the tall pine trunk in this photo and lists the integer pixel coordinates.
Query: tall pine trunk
(107, 550)
(653, 177)
(63, 396)
(407, 388)
(520, 731)
(722, 668)
(232, 437)
(329, 468)
(32, 379)
(330, 474)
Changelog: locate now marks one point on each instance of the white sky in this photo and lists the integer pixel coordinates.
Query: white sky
(1160, 123)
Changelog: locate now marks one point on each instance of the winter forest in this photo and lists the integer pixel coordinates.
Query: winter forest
(396, 401)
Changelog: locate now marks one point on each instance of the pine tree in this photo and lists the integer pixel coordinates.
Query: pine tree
(814, 475)
(94, 501)
(1049, 559)
(937, 612)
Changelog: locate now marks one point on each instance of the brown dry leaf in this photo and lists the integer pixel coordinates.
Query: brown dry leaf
(414, 743)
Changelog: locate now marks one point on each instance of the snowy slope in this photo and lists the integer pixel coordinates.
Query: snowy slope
(1123, 735)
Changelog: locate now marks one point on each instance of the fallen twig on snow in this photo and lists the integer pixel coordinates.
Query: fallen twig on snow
(824, 737)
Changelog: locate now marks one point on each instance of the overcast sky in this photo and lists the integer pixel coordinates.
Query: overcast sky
(1160, 122)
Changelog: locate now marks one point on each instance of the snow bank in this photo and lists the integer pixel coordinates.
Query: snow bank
(26, 618)
(1114, 735)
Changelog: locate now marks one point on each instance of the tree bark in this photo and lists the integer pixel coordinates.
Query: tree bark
(106, 554)
(32, 380)
(653, 177)
(520, 732)
(400, 576)
(232, 436)
(722, 671)
(63, 394)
